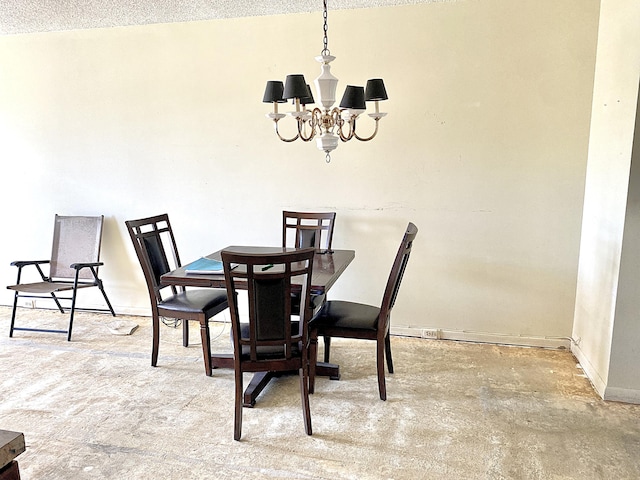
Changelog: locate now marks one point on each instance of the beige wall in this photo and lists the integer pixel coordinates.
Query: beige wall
(484, 148)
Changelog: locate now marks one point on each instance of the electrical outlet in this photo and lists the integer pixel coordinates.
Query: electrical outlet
(430, 333)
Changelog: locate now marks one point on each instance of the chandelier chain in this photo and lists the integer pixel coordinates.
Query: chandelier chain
(325, 16)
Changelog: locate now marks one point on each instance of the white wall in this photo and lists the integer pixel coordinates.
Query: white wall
(624, 376)
(605, 207)
(484, 148)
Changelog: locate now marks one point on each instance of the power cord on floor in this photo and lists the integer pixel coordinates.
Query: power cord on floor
(176, 322)
(171, 322)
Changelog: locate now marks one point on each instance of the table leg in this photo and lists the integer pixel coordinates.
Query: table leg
(330, 370)
(257, 384)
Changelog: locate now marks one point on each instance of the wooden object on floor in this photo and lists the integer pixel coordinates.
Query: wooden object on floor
(11, 445)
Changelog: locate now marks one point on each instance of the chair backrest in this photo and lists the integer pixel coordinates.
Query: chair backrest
(75, 240)
(305, 229)
(395, 277)
(267, 278)
(156, 249)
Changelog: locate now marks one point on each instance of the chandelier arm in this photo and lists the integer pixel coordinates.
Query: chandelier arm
(288, 140)
(367, 138)
(352, 127)
(313, 122)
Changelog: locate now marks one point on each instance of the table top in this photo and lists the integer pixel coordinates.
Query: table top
(327, 268)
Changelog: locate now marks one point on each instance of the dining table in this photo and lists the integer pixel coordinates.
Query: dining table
(328, 265)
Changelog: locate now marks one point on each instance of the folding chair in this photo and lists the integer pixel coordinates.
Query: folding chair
(75, 258)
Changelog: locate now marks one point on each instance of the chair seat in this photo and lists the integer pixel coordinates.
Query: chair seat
(347, 316)
(195, 301)
(46, 287)
(315, 300)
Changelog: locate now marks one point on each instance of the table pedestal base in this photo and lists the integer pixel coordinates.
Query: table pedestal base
(261, 379)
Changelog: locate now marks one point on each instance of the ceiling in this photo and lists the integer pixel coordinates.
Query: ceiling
(31, 16)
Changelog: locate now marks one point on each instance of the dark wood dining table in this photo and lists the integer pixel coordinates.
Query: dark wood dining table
(328, 265)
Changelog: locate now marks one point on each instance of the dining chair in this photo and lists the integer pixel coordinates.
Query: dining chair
(157, 251)
(74, 262)
(268, 341)
(345, 319)
(308, 229)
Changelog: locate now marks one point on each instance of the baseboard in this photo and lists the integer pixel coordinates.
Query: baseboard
(592, 374)
(481, 337)
(625, 395)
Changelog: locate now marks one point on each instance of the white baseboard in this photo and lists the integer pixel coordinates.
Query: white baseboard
(482, 337)
(592, 374)
(622, 395)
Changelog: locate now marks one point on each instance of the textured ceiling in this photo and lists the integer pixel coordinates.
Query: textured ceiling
(30, 16)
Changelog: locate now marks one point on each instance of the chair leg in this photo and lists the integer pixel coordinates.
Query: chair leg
(206, 345)
(55, 299)
(313, 360)
(387, 346)
(304, 393)
(237, 424)
(13, 314)
(185, 333)
(104, 294)
(327, 348)
(380, 346)
(73, 307)
(156, 338)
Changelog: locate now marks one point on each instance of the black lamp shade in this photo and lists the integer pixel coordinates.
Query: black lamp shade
(375, 90)
(273, 92)
(295, 86)
(308, 99)
(353, 98)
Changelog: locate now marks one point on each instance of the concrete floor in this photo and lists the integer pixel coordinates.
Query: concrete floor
(94, 408)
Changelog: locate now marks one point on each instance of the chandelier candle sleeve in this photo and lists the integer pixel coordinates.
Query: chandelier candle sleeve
(327, 124)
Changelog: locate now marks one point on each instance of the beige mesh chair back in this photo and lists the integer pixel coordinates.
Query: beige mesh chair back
(74, 262)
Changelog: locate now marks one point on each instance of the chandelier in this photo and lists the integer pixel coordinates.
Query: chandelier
(327, 125)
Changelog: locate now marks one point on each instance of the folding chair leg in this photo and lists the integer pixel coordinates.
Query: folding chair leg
(73, 309)
(13, 314)
(104, 294)
(55, 299)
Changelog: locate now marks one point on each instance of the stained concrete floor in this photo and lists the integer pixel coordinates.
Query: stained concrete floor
(94, 408)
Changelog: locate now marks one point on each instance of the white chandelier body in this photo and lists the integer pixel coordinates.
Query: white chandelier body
(327, 125)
